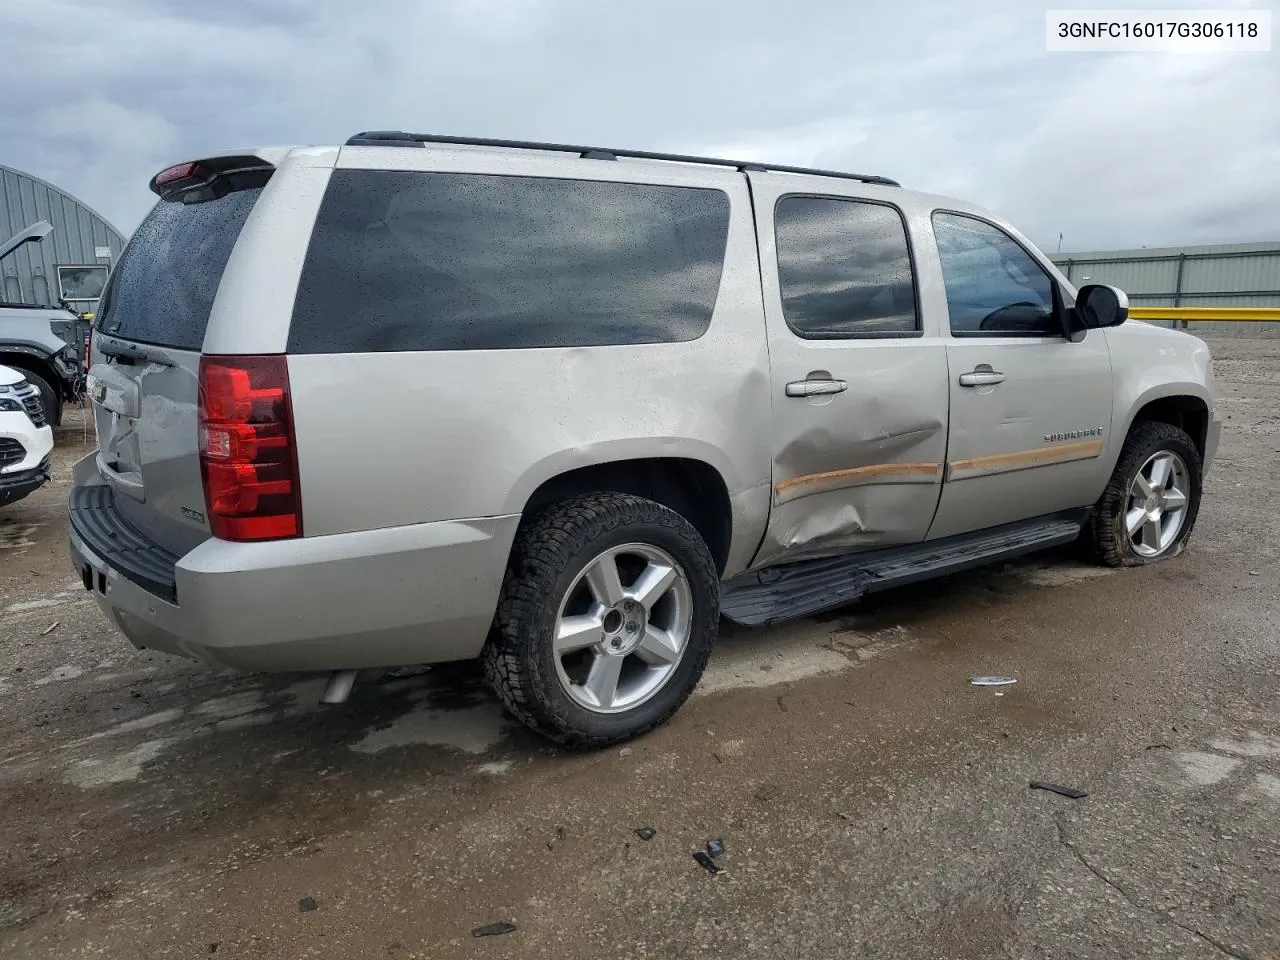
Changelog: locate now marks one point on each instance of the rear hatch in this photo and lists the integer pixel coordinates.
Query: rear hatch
(147, 339)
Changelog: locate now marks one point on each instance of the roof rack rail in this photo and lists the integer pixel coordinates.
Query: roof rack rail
(398, 138)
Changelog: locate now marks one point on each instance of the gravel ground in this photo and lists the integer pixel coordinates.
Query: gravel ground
(872, 803)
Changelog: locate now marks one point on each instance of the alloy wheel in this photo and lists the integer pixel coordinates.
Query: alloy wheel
(622, 628)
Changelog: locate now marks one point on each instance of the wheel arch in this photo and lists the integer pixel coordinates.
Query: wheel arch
(22, 357)
(690, 486)
(30, 357)
(1188, 410)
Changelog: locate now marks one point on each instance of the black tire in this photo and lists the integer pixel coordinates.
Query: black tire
(48, 397)
(550, 551)
(1106, 537)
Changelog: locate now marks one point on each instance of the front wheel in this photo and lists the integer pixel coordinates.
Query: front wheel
(608, 613)
(1150, 505)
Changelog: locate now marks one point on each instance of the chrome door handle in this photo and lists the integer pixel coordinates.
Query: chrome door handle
(981, 378)
(815, 388)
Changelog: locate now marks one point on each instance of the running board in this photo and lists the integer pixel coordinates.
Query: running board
(806, 587)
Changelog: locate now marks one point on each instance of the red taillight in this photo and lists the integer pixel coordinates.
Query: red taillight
(247, 454)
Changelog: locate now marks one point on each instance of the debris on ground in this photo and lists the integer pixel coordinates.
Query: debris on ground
(768, 792)
(624, 752)
(562, 834)
(645, 833)
(1071, 792)
(706, 862)
(994, 681)
(782, 705)
(715, 849)
(50, 628)
(307, 903)
(494, 929)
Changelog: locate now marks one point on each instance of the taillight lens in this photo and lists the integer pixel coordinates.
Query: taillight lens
(248, 458)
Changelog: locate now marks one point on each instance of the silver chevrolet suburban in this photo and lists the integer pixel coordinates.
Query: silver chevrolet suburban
(419, 398)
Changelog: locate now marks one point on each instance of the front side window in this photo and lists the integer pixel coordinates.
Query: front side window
(453, 261)
(994, 287)
(844, 269)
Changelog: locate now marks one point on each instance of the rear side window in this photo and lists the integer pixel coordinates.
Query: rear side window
(844, 269)
(994, 287)
(447, 261)
(162, 290)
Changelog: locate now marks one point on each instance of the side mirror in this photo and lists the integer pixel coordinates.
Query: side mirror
(1098, 305)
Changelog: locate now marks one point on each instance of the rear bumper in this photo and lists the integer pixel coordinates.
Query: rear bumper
(418, 594)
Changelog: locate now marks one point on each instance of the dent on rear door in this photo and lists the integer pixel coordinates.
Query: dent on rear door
(865, 469)
(859, 465)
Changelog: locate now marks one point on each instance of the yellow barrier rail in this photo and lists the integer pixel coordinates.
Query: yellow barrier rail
(1232, 314)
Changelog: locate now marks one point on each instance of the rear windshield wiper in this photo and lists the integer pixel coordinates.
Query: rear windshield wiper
(132, 351)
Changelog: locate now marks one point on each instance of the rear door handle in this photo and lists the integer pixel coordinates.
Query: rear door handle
(983, 376)
(815, 388)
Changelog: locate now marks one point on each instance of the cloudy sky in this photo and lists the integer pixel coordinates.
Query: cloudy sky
(1112, 150)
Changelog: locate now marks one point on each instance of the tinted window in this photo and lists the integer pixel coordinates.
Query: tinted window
(436, 261)
(994, 288)
(844, 268)
(163, 288)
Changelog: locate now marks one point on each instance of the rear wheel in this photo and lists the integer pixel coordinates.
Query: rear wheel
(607, 617)
(1150, 505)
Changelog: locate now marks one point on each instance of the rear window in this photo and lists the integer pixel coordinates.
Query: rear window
(162, 290)
(445, 261)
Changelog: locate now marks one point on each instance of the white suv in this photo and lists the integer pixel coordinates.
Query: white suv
(416, 399)
(26, 440)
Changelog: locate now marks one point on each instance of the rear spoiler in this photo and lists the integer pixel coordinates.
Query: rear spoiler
(211, 178)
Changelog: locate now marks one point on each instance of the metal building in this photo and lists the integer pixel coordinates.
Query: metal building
(1221, 275)
(71, 262)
